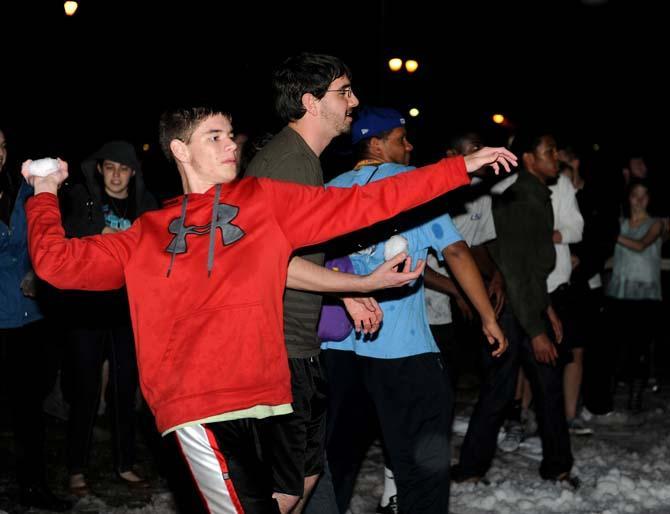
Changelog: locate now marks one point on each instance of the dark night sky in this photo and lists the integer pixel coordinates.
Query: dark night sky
(591, 71)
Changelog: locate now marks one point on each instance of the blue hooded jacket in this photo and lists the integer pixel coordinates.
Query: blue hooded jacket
(16, 309)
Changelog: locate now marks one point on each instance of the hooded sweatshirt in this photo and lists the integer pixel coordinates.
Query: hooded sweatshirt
(83, 205)
(205, 277)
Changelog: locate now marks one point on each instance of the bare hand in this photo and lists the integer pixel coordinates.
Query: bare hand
(557, 237)
(48, 184)
(387, 275)
(493, 333)
(496, 292)
(544, 351)
(110, 230)
(556, 324)
(574, 260)
(29, 285)
(493, 157)
(365, 313)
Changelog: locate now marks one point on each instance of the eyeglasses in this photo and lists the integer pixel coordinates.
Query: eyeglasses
(345, 91)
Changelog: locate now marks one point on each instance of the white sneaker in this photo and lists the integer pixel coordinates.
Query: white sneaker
(532, 445)
(460, 425)
(529, 422)
(513, 437)
(577, 426)
(586, 414)
(615, 418)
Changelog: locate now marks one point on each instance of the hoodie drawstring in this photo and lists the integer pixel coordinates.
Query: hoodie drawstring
(180, 234)
(212, 230)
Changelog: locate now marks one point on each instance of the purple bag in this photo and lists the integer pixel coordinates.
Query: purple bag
(335, 324)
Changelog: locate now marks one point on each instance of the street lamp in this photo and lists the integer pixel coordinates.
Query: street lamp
(70, 7)
(395, 64)
(411, 65)
(498, 119)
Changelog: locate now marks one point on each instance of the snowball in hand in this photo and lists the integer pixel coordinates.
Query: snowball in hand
(395, 245)
(43, 167)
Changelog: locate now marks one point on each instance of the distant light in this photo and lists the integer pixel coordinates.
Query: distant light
(145, 147)
(395, 64)
(70, 7)
(596, 147)
(498, 119)
(414, 112)
(411, 65)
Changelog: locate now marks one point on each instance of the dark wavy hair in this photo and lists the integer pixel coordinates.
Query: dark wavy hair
(300, 74)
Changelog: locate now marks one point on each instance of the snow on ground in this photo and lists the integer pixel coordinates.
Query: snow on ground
(623, 470)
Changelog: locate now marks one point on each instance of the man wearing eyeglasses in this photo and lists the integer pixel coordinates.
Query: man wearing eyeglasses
(313, 96)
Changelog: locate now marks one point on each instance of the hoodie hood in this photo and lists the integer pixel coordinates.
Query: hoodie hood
(124, 153)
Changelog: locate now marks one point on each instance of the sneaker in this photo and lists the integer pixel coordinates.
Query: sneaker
(529, 422)
(460, 425)
(513, 437)
(615, 418)
(532, 444)
(577, 427)
(391, 508)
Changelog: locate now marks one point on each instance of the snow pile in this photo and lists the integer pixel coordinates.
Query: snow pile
(623, 470)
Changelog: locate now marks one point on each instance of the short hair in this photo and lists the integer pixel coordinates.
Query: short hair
(457, 143)
(300, 74)
(362, 148)
(180, 123)
(527, 141)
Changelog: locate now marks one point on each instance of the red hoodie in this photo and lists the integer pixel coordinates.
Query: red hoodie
(211, 343)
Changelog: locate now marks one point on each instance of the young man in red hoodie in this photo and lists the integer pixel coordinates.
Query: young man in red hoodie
(207, 311)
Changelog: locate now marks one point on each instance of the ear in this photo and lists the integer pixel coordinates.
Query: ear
(528, 160)
(309, 102)
(179, 150)
(375, 144)
(377, 149)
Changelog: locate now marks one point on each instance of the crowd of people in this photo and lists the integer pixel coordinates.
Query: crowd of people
(273, 395)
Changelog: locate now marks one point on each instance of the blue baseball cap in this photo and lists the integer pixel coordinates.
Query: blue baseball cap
(372, 121)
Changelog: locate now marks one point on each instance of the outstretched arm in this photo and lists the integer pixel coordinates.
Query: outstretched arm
(93, 263)
(314, 215)
(307, 276)
(365, 312)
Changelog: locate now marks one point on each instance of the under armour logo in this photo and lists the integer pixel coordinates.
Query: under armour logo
(224, 215)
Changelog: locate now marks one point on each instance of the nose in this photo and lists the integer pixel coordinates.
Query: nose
(231, 146)
(353, 100)
(409, 146)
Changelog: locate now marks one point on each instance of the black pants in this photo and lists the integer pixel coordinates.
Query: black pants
(599, 350)
(410, 399)
(497, 391)
(86, 351)
(30, 363)
(228, 466)
(633, 329)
